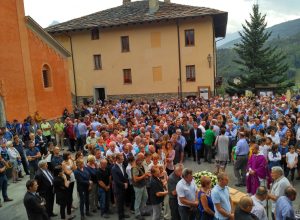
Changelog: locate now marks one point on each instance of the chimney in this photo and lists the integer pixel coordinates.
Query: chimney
(167, 1)
(126, 1)
(153, 6)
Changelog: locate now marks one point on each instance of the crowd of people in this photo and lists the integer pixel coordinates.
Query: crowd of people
(132, 155)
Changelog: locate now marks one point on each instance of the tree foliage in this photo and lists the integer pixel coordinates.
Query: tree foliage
(257, 62)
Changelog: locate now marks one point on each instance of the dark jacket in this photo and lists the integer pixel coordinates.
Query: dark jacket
(119, 179)
(34, 209)
(43, 182)
(61, 190)
(82, 179)
(192, 134)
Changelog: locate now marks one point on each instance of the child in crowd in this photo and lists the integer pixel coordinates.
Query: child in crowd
(283, 149)
(291, 161)
(263, 147)
(274, 157)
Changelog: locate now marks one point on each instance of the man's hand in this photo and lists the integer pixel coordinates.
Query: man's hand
(231, 217)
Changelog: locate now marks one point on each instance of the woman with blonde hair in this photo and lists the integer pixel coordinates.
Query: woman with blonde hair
(91, 168)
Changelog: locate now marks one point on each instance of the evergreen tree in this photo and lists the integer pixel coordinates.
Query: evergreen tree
(258, 63)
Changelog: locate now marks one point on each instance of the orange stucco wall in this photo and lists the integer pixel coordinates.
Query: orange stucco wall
(22, 56)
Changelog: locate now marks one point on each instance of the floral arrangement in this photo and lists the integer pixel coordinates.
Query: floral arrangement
(197, 177)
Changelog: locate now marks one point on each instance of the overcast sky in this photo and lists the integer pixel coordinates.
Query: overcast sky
(46, 11)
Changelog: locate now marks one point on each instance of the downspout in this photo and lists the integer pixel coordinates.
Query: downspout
(179, 60)
(73, 66)
(216, 66)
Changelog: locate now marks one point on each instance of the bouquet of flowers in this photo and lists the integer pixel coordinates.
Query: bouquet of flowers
(197, 177)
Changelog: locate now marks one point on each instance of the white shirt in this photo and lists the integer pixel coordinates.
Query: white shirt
(278, 188)
(109, 152)
(275, 138)
(272, 158)
(259, 209)
(291, 158)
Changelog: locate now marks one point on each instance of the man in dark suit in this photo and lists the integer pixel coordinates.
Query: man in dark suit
(195, 133)
(120, 181)
(34, 204)
(45, 186)
(41, 142)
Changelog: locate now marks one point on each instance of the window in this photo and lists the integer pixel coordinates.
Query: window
(46, 76)
(190, 73)
(189, 37)
(155, 39)
(125, 43)
(157, 74)
(127, 76)
(95, 34)
(97, 62)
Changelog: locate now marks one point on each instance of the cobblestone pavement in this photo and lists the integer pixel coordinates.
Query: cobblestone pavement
(15, 210)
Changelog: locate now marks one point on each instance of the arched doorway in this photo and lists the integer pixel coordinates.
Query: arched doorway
(2, 113)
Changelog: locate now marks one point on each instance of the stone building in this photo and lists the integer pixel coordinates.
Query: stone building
(33, 67)
(142, 49)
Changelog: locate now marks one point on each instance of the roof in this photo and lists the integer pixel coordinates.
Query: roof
(46, 37)
(137, 13)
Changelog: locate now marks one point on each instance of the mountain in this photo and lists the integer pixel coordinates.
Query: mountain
(279, 31)
(54, 22)
(287, 41)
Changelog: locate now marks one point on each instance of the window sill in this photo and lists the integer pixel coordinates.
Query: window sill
(191, 80)
(48, 89)
(127, 83)
(98, 69)
(190, 45)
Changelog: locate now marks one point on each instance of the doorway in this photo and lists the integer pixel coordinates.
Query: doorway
(100, 94)
(2, 113)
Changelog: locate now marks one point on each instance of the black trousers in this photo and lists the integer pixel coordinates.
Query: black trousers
(208, 153)
(120, 204)
(173, 203)
(84, 201)
(49, 197)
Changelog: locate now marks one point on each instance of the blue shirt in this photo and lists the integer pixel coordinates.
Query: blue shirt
(82, 129)
(221, 196)
(33, 152)
(257, 127)
(242, 147)
(284, 208)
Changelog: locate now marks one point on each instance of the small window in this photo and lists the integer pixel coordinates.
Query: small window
(127, 76)
(125, 43)
(155, 39)
(190, 73)
(46, 76)
(157, 74)
(97, 62)
(95, 34)
(189, 37)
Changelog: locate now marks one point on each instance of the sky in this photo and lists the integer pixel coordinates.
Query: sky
(277, 11)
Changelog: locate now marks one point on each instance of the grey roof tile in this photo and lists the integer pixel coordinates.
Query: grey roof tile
(138, 12)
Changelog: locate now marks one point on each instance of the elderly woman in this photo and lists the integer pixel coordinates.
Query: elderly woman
(14, 159)
(206, 206)
(92, 170)
(83, 185)
(257, 170)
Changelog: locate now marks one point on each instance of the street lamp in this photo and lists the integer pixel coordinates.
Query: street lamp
(209, 60)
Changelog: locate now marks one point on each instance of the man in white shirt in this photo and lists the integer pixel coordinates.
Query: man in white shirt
(278, 187)
(259, 203)
(112, 149)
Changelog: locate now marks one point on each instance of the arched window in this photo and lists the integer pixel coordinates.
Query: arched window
(46, 76)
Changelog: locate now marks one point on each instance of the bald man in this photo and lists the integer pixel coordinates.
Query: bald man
(243, 210)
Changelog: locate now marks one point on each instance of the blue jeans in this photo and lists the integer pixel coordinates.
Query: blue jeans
(102, 199)
(3, 186)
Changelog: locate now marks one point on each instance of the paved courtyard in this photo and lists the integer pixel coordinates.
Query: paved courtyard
(15, 210)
